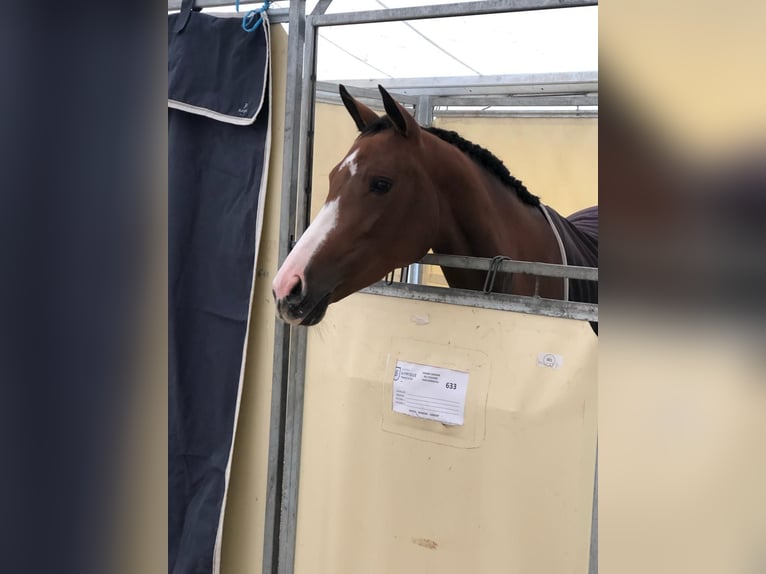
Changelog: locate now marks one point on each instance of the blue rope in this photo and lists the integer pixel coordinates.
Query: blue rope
(249, 24)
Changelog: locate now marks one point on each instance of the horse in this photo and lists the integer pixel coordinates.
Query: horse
(402, 190)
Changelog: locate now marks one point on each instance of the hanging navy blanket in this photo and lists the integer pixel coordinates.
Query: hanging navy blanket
(579, 234)
(218, 138)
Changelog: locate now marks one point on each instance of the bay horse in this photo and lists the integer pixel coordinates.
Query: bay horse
(402, 190)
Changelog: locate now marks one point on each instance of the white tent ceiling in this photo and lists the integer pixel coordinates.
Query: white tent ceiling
(561, 40)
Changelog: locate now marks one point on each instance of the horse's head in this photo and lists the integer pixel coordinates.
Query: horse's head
(381, 213)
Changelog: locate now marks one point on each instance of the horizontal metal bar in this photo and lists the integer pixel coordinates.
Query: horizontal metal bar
(587, 76)
(498, 301)
(527, 100)
(276, 15)
(513, 266)
(565, 83)
(542, 113)
(375, 104)
(446, 11)
(496, 89)
(329, 90)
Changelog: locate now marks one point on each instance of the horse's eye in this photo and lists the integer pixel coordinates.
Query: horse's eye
(380, 185)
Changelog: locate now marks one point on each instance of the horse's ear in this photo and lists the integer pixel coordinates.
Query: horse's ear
(401, 118)
(362, 115)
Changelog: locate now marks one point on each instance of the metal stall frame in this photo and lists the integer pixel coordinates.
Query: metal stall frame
(288, 378)
(290, 351)
(540, 91)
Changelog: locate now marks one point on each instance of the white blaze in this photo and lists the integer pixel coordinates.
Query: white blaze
(349, 162)
(299, 258)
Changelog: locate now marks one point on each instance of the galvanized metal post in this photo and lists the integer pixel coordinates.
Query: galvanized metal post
(282, 331)
(294, 411)
(424, 114)
(292, 452)
(424, 111)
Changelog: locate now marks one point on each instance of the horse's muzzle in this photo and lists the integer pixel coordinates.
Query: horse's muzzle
(302, 308)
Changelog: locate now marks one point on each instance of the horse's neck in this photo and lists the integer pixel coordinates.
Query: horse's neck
(480, 217)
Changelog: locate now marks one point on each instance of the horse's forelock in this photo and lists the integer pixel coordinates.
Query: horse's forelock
(381, 124)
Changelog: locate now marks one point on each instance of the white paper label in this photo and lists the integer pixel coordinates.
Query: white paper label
(430, 392)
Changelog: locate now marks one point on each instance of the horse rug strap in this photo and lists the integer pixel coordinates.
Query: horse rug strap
(578, 234)
(561, 248)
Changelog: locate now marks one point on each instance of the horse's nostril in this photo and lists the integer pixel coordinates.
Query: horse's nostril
(295, 292)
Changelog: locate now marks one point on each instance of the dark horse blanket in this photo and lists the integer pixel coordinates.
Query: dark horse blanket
(579, 234)
(218, 155)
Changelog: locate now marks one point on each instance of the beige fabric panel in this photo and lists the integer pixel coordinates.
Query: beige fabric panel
(510, 491)
(242, 551)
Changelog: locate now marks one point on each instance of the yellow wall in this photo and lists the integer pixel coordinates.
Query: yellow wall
(242, 551)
